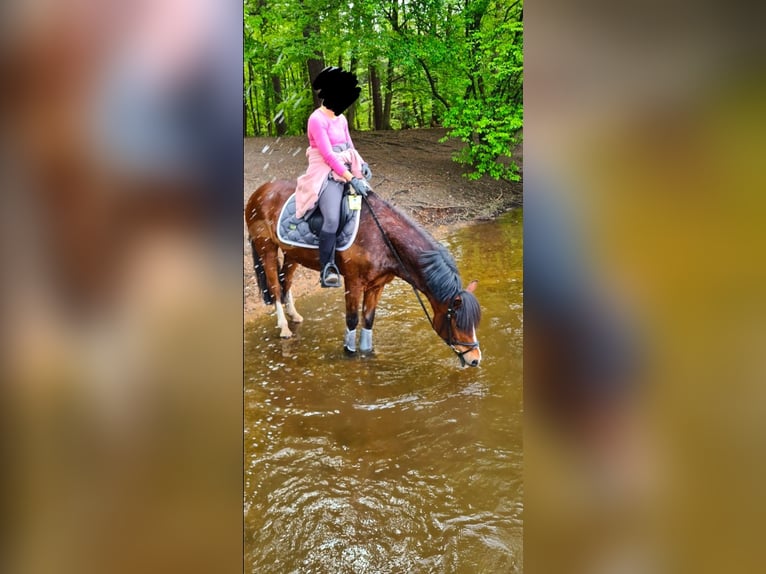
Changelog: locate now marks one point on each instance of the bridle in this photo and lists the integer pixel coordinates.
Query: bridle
(451, 310)
(451, 340)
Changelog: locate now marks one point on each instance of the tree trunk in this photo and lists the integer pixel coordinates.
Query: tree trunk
(251, 87)
(418, 114)
(369, 105)
(267, 103)
(316, 64)
(389, 96)
(244, 114)
(279, 119)
(377, 104)
(472, 27)
(256, 109)
(432, 83)
(244, 102)
(351, 111)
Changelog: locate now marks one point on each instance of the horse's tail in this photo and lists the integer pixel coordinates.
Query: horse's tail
(260, 275)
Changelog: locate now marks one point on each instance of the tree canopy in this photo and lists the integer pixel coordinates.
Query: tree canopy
(456, 64)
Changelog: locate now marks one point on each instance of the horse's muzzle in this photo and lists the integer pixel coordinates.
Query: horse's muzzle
(470, 357)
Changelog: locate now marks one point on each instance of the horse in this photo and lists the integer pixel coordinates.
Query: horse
(388, 245)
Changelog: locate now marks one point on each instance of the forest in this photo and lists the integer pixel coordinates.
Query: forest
(453, 64)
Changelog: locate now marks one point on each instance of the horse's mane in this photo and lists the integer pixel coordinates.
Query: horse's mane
(469, 313)
(441, 274)
(403, 218)
(443, 279)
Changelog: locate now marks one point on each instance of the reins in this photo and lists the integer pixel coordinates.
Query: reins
(390, 245)
(450, 310)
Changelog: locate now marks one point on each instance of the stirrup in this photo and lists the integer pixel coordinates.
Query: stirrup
(330, 276)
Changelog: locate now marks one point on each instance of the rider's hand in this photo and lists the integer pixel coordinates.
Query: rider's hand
(366, 172)
(361, 186)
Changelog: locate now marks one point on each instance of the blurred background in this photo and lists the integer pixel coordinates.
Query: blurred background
(644, 287)
(121, 285)
(120, 290)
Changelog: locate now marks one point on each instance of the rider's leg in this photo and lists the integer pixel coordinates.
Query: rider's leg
(329, 203)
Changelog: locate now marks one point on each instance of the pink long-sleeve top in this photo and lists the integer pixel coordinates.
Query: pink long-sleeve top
(325, 132)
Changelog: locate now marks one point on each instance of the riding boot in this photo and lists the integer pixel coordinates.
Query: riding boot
(330, 276)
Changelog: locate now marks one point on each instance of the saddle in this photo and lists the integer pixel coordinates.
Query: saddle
(304, 232)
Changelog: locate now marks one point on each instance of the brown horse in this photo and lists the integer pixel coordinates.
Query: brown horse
(388, 244)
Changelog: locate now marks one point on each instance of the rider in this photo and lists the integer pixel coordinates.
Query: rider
(333, 162)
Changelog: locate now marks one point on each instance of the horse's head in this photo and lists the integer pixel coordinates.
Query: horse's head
(456, 310)
(455, 321)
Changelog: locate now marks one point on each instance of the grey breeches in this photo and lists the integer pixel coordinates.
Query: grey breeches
(329, 204)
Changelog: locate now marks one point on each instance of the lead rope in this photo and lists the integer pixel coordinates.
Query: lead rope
(399, 259)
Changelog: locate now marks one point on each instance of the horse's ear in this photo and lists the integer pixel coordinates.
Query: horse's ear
(458, 302)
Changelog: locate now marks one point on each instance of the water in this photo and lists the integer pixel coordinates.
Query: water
(399, 462)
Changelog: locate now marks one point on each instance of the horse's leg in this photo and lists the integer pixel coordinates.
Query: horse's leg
(371, 298)
(288, 269)
(271, 268)
(353, 295)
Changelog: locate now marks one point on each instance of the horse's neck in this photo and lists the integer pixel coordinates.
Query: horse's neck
(410, 241)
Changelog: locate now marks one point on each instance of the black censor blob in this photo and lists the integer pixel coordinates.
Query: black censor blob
(336, 88)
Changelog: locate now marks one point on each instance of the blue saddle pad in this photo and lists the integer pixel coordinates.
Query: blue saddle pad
(297, 232)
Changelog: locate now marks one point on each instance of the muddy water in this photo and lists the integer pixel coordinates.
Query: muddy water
(398, 462)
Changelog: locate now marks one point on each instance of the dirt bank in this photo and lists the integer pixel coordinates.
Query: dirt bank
(411, 169)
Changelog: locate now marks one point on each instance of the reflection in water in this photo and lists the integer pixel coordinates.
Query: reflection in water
(396, 462)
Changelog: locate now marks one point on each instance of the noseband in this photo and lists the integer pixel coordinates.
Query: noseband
(451, 340)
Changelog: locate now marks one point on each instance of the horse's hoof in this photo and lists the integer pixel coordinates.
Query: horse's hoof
(286, 334)
(349, 351)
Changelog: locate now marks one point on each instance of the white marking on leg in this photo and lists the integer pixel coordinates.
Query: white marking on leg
(284, 332)
(296, 317)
